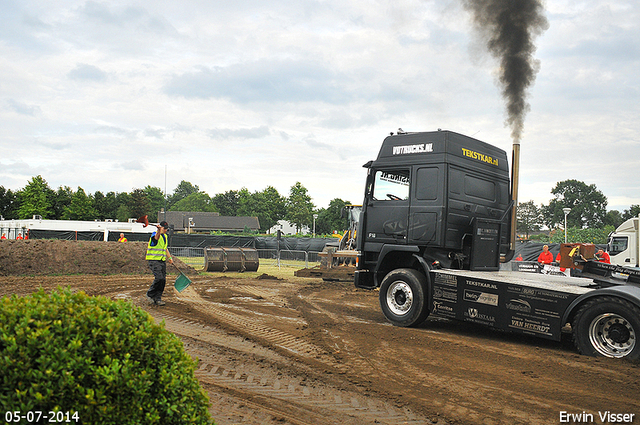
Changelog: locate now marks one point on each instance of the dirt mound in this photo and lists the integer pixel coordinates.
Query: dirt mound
(267, 276)
(52, 256)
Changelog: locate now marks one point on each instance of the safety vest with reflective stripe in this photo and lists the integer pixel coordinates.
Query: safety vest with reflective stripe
(157, 251)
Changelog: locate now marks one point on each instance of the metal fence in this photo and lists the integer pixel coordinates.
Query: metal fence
(289, 258)
(286, 258)
(191, 256)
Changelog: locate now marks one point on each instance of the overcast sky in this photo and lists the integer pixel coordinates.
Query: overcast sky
(253, 93)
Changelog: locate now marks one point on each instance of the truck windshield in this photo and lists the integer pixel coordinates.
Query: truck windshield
(618, 244)
(391, 185)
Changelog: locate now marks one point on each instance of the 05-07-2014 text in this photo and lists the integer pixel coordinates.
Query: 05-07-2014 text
(37, 416)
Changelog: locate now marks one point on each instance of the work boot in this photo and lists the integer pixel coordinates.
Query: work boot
(151, 300)
(160, 302)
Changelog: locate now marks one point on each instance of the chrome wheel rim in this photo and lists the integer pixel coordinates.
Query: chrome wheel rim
(399, 298)
(612, 335)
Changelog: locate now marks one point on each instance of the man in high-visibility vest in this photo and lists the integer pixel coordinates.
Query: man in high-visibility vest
(157, 256)
(122, 238)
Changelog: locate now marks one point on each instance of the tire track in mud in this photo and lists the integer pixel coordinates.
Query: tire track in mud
(362, 365)
(300, 403)
(454, 397)
(357, 361)
(462, 390)
(452, 410)
(291, 343)
(283, 340)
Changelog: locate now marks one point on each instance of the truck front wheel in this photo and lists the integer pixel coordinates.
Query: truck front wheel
(609, 327)
(402, 297)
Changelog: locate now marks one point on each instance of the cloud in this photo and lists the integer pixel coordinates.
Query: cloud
(84, 72)
(128, 18)
(114, 130)
(22, 108)
(155, 133)
(313, 144)
(17, 28)
(261, 81)
(134, 165)
(239, 133)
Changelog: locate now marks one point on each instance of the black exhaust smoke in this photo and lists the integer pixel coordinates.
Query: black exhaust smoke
(509, 28)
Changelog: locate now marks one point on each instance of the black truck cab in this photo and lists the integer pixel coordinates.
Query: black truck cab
(428, 197)
(435, 225)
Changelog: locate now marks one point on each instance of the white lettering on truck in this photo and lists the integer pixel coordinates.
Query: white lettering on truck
(409, 149)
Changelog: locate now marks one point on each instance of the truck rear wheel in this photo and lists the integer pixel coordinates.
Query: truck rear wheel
(608, 327)
(402, 297)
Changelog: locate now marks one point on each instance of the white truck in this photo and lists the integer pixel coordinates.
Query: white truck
(624, 244)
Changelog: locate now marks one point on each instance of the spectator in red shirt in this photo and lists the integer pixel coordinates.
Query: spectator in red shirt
(558, 257)
(545, 257)
(603, 257)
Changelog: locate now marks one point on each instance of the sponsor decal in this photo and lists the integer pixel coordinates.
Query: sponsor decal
(531, 326)
(443, 293)
(395, 178)
(474, 314)
(487, 232)
(538, 294)
(479, 156)
(519, 305)
(481, 297)
(443, 309)
(528, 268)
(446, 279)
(482, 284)
(410, 149)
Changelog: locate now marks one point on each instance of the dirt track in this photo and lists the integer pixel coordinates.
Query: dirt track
(304, 351)
(300, 351)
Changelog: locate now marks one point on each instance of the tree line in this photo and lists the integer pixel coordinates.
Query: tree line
(588, 220)
(37, 198)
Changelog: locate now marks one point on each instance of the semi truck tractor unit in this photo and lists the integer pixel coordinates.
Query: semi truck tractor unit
(436, 222)
(624, 244)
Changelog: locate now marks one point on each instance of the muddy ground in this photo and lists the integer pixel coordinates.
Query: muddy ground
(305, 351)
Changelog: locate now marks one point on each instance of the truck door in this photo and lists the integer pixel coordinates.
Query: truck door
(619, 251)
(427, 208)
(388, 207)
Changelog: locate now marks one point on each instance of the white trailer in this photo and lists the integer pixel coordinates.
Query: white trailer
(12, 228)
(624, 244)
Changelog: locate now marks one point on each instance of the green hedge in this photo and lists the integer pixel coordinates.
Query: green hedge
(106, 360)
(575, 235)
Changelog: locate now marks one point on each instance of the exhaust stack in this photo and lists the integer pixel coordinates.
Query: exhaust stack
(515, 179)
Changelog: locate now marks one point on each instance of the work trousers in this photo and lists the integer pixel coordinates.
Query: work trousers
(159, 270)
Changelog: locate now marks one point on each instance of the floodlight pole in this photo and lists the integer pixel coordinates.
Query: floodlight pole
(314, 224)
(165, 193)
(566, 213)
